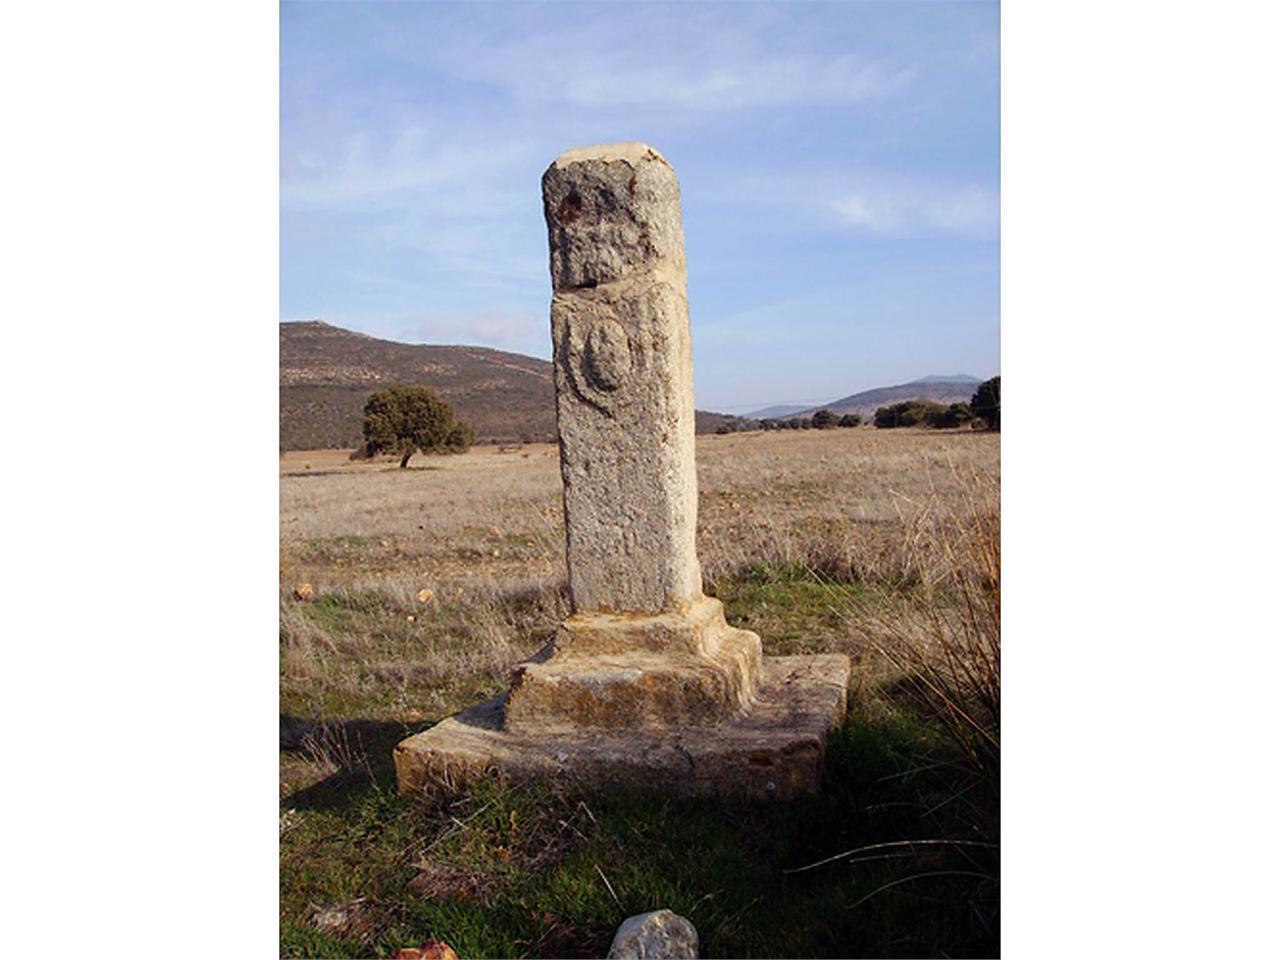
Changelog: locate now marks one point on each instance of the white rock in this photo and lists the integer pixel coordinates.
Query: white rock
(649, 936)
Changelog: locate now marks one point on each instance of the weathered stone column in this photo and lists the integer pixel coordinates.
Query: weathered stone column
(644, 645)
(624, 379)
(645, 683)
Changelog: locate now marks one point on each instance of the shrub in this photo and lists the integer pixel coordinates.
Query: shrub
(986, 403)
(849, 420)
(956, 415)
(460, 438)
(908, 413)
(823, 420)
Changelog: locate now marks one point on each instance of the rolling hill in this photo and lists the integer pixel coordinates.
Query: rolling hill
(779, 411)
(327, 374)
(955, 388)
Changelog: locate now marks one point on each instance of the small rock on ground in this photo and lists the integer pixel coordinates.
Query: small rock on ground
(431, 950)
(649, 936)
(352, 919)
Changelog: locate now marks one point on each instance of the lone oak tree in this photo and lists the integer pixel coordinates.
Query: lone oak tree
(405, 420)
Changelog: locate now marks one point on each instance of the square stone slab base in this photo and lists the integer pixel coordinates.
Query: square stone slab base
(774, 750)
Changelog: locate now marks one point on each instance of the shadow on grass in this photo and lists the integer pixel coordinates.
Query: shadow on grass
(358, 752)
(315, 473)
(543, 870)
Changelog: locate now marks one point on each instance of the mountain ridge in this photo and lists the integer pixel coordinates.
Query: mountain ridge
(865, 402)
(938, 387)
(327, 373)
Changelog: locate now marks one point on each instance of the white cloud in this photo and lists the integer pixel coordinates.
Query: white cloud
(689, 57)
(510, 328)
(761, 83)
(911, 207)
(367, 171)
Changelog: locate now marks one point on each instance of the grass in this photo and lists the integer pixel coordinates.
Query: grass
(529, 871)
(863, 542)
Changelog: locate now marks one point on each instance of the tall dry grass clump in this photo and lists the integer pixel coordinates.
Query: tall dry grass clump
(943, 639)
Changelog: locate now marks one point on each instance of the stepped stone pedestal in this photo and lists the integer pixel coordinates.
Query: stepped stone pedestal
(645, 684)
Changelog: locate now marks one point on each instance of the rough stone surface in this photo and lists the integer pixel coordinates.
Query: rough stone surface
(660, 934)
(624, 379)
(774, 750)
(609, 670)
(645, 684)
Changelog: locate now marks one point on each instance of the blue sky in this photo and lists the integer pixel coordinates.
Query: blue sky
(838, 162)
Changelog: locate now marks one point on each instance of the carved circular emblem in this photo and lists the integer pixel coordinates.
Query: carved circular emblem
(600, 358)
(606, 356)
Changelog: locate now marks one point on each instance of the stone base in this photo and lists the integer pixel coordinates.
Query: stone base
(611, 671)
(775, 748)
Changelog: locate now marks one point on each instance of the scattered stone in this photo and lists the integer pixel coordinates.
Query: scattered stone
(384, 543)
(431, 950)
(353, 919)
(495, 532)
(305, 592)
(425, 596)
(660, 934)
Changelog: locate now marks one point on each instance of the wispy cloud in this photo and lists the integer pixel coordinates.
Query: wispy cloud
(808, 138)
(514, 328)
(911, 207)
(635, 56)
(368, 169)
(764, 83)
(871, 200)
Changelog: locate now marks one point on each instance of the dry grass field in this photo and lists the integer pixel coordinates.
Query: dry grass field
(424, 586)
(482, 535)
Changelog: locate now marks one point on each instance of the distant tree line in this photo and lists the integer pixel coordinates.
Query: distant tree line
(983, 409)
(821, 420)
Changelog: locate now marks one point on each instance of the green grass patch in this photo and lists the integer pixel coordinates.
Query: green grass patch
(534, 871)
(372, 657)
(793, 609)
(539, 871)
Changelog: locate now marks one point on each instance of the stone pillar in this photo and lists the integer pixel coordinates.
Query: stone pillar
(645, 683)
(644, 645)
(624, 379)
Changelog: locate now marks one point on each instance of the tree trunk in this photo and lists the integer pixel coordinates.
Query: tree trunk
(404, 461)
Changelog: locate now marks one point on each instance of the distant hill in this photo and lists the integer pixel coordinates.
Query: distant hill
(779, 411)
(957, 388)
(327, 374)
(949, 378)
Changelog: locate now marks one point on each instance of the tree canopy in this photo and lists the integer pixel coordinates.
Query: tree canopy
(405, 420)
(986, 403)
